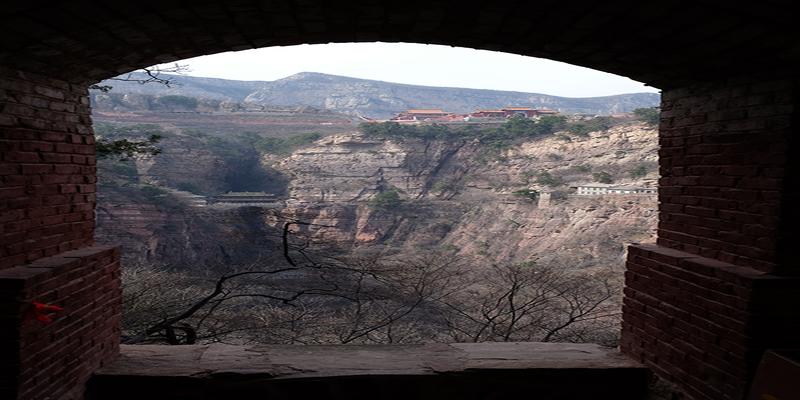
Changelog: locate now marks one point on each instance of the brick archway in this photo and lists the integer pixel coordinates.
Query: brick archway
(701, 305)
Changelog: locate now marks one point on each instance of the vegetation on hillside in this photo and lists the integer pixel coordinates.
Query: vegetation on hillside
(176, 101)
(312, 298)
(547, 179)
(526, 193)
(336, 298)
(603, 177)
(500, 136)
(650, 116)
(446, 187)
(638, 172)
(386, 200)
(231, 145)
(126, 149)
(125, 141)
(583, 128)
(285, 145)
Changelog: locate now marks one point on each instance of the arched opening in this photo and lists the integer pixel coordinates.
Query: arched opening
(469, 193)
(701, 306)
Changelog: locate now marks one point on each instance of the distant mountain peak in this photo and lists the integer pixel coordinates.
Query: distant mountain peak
(306, 75)
(379, 99)
(320, 77)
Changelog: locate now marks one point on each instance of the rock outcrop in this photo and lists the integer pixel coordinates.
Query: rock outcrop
(458, 196)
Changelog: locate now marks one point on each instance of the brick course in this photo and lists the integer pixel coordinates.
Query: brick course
(723, 154)
(720, 286)
(704, 323)
(47, 168)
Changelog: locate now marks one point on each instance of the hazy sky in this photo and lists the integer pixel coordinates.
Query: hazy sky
(419, 64)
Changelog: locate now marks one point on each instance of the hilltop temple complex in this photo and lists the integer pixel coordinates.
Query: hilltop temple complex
(437, 115)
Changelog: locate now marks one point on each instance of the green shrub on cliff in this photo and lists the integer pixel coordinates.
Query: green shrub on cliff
(445, 186)
(639, 172)
(152, 192)
(126, 149)
(393, 130)
(386, 200)
(603, 177)
(650, 116)
(176, 101)
(527, 193)
(502, 136)
(285, 145)
(583, 128)
(547, 179)
(124, 142)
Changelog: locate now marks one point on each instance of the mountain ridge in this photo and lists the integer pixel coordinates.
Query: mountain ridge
(372, 98)
(312, 74)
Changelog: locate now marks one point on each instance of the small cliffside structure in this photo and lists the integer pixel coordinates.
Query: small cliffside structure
(420, 115)
(594, 190)
(246, 199)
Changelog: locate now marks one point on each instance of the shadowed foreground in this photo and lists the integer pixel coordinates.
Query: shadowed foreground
(438, 371)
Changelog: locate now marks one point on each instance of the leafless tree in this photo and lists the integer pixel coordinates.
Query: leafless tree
(527, 302)
(314, 298)
(367, 296)
(154, 74)
(393, 298)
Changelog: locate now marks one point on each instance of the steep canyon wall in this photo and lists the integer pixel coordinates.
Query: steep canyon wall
(455, 196)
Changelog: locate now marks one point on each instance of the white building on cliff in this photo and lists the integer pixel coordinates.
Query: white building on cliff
(598, 189)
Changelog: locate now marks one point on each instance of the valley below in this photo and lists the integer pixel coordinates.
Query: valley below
(454, 196)
(302, 225)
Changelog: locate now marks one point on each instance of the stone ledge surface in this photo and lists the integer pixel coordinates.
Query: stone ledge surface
(463, 371)
(698, 264)
(27, 275)
(299, 361)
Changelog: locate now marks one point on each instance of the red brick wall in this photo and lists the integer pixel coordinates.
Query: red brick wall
(54, 360)
(703, 323)
(723, 154)
(718, 289)
(47, 168)
(47, 198)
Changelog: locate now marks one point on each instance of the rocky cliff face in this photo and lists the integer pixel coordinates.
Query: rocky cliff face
(458, 198)
(143, 203)
(156, 226)
(350, 168)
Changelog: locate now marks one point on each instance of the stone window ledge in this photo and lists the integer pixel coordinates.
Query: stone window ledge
(458, 370)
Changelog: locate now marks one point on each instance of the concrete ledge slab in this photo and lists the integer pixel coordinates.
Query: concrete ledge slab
(459, 370)
(297, 361)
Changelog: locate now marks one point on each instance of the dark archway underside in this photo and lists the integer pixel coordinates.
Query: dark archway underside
(666, 43)
(701, 305)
